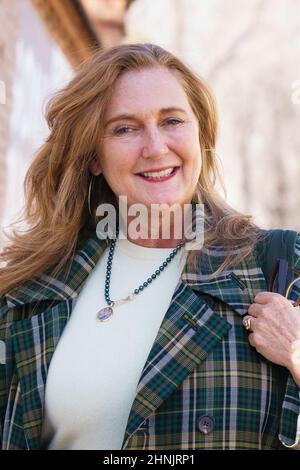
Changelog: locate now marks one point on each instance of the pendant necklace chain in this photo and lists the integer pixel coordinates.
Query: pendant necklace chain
(106, 313)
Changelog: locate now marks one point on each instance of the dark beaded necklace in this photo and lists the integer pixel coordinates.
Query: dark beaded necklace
(106, 313)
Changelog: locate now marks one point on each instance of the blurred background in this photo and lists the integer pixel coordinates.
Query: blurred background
(247, 50)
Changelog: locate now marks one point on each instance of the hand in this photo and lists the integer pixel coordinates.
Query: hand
(275, 330)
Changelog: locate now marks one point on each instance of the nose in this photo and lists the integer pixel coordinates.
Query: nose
(154, 145)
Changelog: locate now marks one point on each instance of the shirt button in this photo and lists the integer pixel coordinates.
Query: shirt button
(206, 424)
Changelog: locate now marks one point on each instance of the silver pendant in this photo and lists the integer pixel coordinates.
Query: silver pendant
(105, 314)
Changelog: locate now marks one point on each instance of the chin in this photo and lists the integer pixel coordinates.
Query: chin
(163, 201)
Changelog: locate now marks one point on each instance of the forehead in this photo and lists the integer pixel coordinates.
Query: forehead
(146, 89)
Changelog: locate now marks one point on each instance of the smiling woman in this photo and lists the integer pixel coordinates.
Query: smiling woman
(138, 342)
(59, 181)
(151, 154)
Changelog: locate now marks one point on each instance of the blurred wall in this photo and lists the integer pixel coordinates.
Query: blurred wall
(249, 53)
(32, 68)
(9, 26)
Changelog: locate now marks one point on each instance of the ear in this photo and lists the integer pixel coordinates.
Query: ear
(95, 167)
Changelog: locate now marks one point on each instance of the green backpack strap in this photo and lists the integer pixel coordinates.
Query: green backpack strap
(276, 253)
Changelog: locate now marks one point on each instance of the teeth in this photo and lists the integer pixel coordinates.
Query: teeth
(158, 174)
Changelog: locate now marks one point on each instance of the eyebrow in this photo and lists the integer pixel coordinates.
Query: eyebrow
(132, 116)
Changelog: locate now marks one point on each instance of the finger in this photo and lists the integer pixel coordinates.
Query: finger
(251, 339)
(297, 307)
(296, 303)
(254, 310)
(248, 322)
(265, 297)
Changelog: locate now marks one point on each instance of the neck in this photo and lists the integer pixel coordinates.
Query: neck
(153, 232)
(159, 243)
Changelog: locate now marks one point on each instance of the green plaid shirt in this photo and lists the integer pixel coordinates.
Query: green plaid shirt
(200, 367)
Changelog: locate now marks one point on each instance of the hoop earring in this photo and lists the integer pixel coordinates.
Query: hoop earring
(200, 187)
(211, 151)
(89, 194)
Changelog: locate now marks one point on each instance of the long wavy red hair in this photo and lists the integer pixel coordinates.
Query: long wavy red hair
(56, 184)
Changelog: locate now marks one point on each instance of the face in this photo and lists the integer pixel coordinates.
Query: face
(149, 128)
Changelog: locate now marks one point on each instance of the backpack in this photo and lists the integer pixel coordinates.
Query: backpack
(276, 254)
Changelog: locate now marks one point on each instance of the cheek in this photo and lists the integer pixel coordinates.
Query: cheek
(188, 146)
(195, 155)
(118, 158)
(192, 159)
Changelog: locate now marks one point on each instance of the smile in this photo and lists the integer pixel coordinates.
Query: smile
(159, 176)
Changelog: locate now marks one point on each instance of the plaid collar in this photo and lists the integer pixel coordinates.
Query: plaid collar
(190, 321)
(234, 286)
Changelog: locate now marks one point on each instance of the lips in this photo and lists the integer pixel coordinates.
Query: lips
(157, 170)
(160, 179)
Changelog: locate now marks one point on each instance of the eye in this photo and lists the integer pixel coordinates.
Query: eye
(126, 130)
(174, 121)
(121, 130)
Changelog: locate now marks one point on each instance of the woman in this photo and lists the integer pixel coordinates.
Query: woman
(136, 342)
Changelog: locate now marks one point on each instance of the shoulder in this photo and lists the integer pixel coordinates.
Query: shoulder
(275, 244)
(279, 242)
(3, 308)
(5, 323)
(297, 253)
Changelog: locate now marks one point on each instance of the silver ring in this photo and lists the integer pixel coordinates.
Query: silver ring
(247, 323)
